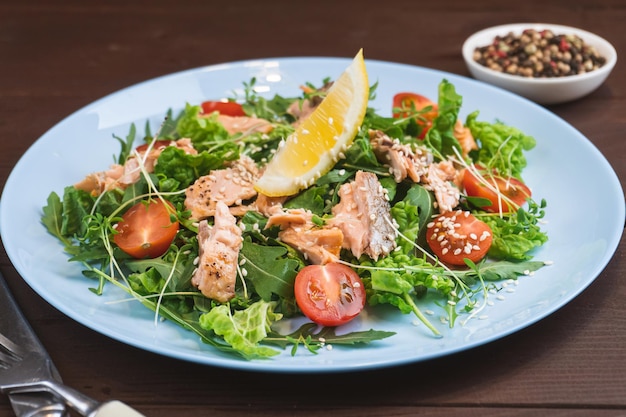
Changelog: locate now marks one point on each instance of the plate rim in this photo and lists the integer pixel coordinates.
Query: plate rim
(229, 362)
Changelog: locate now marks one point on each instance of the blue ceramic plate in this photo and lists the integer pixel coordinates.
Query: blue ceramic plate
(583, 237)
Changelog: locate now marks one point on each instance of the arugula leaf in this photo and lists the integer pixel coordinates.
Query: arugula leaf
(498, 271)
(313, 338)
(440, 137)
(126, 144)
(268, 270)
(52, 217)
(311, 199)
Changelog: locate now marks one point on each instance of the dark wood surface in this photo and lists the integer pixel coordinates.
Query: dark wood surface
(57, 56)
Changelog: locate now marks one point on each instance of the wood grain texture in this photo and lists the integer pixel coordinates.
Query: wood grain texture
(58, 56)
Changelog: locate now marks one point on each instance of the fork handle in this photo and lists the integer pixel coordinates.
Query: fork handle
(115, 409)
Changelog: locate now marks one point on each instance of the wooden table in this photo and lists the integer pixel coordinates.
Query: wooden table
(57, 56)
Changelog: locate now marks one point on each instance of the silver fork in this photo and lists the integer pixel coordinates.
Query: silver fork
(26, 367)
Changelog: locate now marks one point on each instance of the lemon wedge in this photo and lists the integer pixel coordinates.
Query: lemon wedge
(320, 140)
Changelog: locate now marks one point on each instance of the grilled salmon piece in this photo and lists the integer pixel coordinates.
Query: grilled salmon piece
(364, 216)
(464, 135)
(244, 124)
(121, 176)
(302, 109)
(231, 185)
(218, 247)
(319, 245)
(442, 180)
(403, 161)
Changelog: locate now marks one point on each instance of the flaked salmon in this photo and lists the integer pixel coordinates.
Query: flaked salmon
(232, 185)
(403, 161)
(301, 109)
(319, 244)
(364, 216)
(244, 124)
(464, 135)
(442, 179)
(269, 205)
(121, 176)
(218, 252)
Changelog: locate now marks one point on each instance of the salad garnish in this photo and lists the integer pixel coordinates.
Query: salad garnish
(200, 223)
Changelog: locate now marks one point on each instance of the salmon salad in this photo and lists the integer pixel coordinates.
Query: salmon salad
(421, 204)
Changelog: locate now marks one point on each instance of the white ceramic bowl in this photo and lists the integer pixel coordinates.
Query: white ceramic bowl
(541, 90)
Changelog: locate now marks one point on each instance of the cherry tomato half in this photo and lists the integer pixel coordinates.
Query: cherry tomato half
(405, 104)
(227, 108)
(456, 235)
(506, 194)
(331, 294)
(146, 230)
(158, 144)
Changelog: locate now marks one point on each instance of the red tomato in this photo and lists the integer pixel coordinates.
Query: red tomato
(506, 194)
(411, 102)
(158, 144)
(457, 235)
(331, 294)
(146, 230)
(227, 108)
